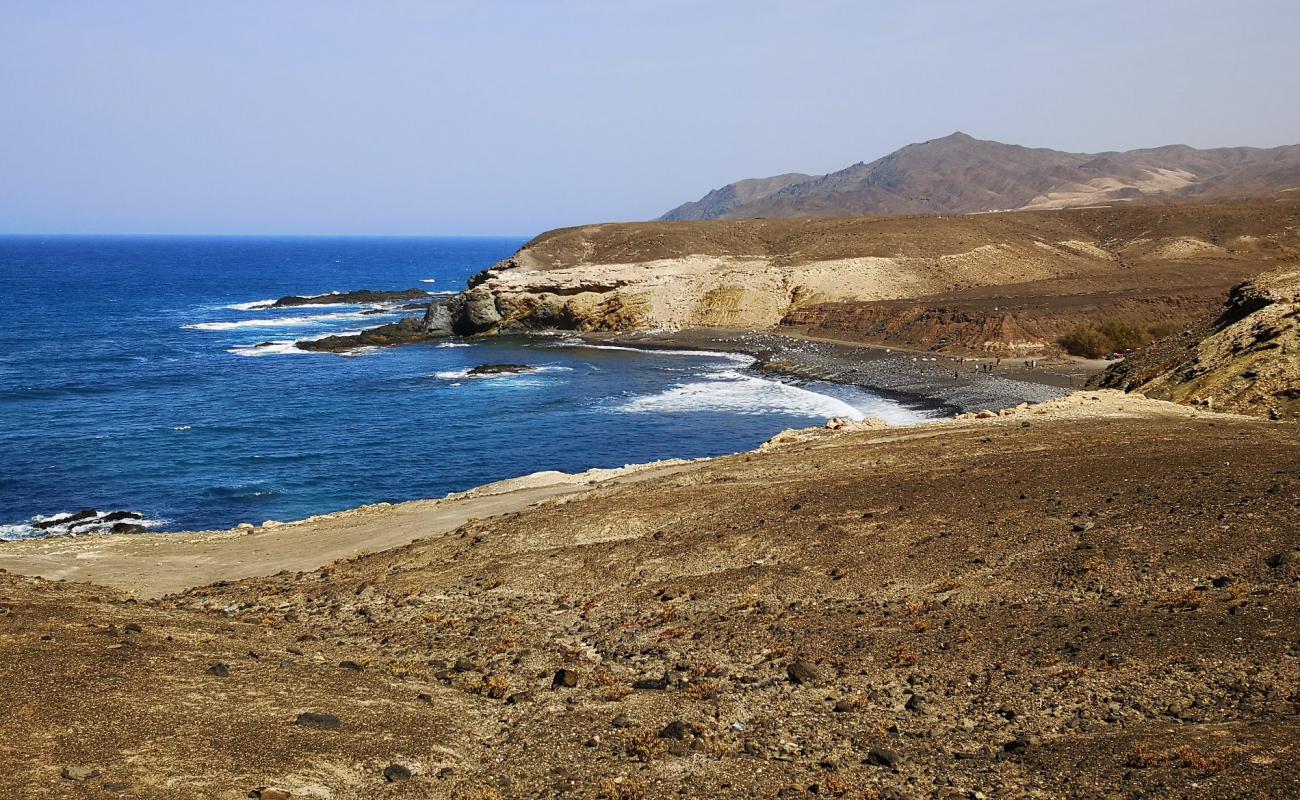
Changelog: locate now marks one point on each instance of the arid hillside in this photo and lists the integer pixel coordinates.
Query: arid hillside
(1245, 358)
(959, 174)
(1096, 599)
(1169, 263)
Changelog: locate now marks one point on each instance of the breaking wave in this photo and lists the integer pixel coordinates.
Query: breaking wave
(738, 393)
(278, 322)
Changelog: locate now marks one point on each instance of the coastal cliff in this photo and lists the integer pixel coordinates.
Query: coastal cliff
(1170, 264)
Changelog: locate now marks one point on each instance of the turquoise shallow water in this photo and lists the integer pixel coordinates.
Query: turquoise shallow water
(129, 379)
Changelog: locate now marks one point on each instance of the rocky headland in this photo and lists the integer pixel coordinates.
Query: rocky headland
(1004, 284)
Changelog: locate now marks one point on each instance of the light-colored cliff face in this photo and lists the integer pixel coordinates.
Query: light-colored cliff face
(730, 291)
(753, 273)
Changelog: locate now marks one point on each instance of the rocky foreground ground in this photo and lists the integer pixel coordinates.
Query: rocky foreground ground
(1099, 600)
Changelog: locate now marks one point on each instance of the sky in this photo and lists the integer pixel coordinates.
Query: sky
(512, 117)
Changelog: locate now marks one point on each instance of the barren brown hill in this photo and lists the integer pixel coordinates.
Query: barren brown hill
(1094, 599)
(960, 174)
(1245, 358)
(755, 273)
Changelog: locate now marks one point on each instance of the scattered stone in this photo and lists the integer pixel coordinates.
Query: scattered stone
(312, 719)
(269, 793)
(592, 742)
(915, 703)
(802, 672)
(396, 772)
(132, 627)
(352, 665)
(79, 773)
(1279, 559)
(844, 705)
(519, 697)
(564, 678)
(1083, 527)
(1019, 745)
(652, 684)
(880, 757)
(676, 730)
(219, 669)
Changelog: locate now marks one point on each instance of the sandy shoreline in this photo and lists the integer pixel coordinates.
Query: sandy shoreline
(156, 564)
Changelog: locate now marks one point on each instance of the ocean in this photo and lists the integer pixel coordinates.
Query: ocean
(131, 378)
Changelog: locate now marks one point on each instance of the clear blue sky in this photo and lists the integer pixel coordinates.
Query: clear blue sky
(515, 116)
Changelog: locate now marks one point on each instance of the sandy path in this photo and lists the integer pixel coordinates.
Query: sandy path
(152, 565)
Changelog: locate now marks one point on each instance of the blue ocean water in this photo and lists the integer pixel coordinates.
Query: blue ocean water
(130, 379)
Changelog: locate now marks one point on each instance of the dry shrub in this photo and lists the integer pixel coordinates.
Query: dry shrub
(903, 656)
(493, 686)
(615, 693)
(705, 690)
(1186, 757)
(1189, 600)
(643, 745)
(623, 788)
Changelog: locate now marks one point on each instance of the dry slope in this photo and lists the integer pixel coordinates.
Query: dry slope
(1025, 606)
(1245, 359)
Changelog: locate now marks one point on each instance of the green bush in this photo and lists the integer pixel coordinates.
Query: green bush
(1096, 339)
(1085, 341)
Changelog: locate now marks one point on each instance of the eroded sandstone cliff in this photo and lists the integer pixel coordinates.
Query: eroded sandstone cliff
(754, 273)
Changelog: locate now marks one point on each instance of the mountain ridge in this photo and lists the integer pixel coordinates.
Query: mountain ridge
(961, 174)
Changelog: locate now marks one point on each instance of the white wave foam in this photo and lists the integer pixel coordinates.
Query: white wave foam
(252, 305)
(428, 280)
(27, 530)
(452, 344)
(739, 358)
(283, 347)
(278, 322)
(737, 393)
(462, 374)
(288, 347)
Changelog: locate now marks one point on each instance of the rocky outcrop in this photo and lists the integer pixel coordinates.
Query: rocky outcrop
(1245, 359)
(357, 297)
(435, 324)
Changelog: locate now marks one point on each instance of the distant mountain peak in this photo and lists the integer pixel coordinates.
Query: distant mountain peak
(961, 174)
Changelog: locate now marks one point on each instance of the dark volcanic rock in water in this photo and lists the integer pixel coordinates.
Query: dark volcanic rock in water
(500, 369)
(83, 514)
(358, 296)
(436, 324)
(405, 331)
